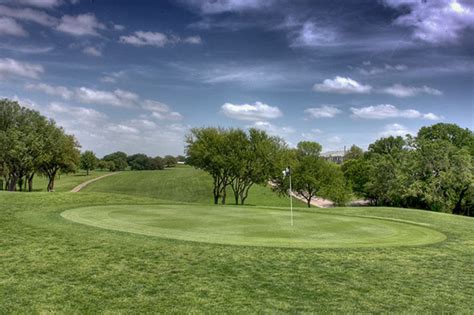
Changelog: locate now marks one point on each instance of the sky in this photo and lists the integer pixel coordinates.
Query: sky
(135, 76)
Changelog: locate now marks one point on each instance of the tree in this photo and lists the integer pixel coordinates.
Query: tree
(312, 175)
(88, 161)
(119, 159)
(354, 153)
(22, 134)
(203, 150)
(139, 162)
(356, 172)
(233, 158)
(309, 148)
(170, 161)
(63, 154)
(181, 158)
(390, 146)
(157, 163)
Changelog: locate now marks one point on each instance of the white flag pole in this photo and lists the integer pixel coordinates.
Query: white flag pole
(291, 200)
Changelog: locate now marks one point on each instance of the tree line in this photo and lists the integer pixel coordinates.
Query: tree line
(432, 170)
(120, 161)
(237, 160)
(31, 144)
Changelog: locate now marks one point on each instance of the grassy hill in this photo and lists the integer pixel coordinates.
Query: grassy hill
(65, 182)
(181, 184)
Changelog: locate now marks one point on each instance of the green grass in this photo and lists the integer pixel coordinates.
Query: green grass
(49, 264)
(255, 226)
(181, 184)
(65, 182)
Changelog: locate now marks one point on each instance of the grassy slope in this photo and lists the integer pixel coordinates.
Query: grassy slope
(65, 182)
(49, 264)
(182, 184)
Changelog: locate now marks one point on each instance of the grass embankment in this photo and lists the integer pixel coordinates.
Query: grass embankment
(180, 184)
(65, 182)
(49, 264)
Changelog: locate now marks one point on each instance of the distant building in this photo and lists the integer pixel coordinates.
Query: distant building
(181, 162)
(334, 156)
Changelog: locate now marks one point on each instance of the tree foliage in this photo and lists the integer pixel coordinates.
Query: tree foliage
(31, 143)
(233, 158)
(88, 161)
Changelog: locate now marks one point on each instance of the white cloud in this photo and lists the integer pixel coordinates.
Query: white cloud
(112, 77)
(117, 97)
(123, 129)
(167, 115)
(250, 76)
(221, 6)
(272, 129)
(45, 4)
(10, 67)
(312, 135)
(9, 26)
(325, 111)
(80, 25)
(155, 106)
(119, 27)
(368, 69)
(156, 39)
(255, 112)
(435, 22)
(61, 91)
(312, 35)
(395, 130)
(92, 51)
(334, 140)
(29, 15)
(192, 40)
(341, 85)
(399, 90)
(385, 111)
(161, 111)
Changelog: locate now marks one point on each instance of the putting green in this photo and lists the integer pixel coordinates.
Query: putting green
(254, 226)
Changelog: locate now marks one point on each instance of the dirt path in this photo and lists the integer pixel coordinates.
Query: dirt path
(84, 184)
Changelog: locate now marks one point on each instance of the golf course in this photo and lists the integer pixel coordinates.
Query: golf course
(152, 241)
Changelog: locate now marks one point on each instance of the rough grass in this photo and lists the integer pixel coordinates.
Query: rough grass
(181, 184)
(52, 265)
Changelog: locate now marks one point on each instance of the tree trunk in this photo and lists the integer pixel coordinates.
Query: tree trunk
(457, 209)
(308, 202)
(87, 172)
(12, 184)
(224, 195)
(216, 190)
(51, 177)
(245, 193)
(30, 182)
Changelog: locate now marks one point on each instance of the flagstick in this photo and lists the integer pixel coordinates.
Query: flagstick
(291, 202)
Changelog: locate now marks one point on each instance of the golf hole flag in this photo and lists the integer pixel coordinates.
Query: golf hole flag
(287, 172)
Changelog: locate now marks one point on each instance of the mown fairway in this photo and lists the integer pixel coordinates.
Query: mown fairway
(52, 264)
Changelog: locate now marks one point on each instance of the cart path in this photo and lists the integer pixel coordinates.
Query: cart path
(84, 184)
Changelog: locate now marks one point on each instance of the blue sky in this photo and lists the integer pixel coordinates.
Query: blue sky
(136, 75)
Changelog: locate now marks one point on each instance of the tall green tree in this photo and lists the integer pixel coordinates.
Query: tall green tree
(88, 161)
(63, 154)
(119, 159)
